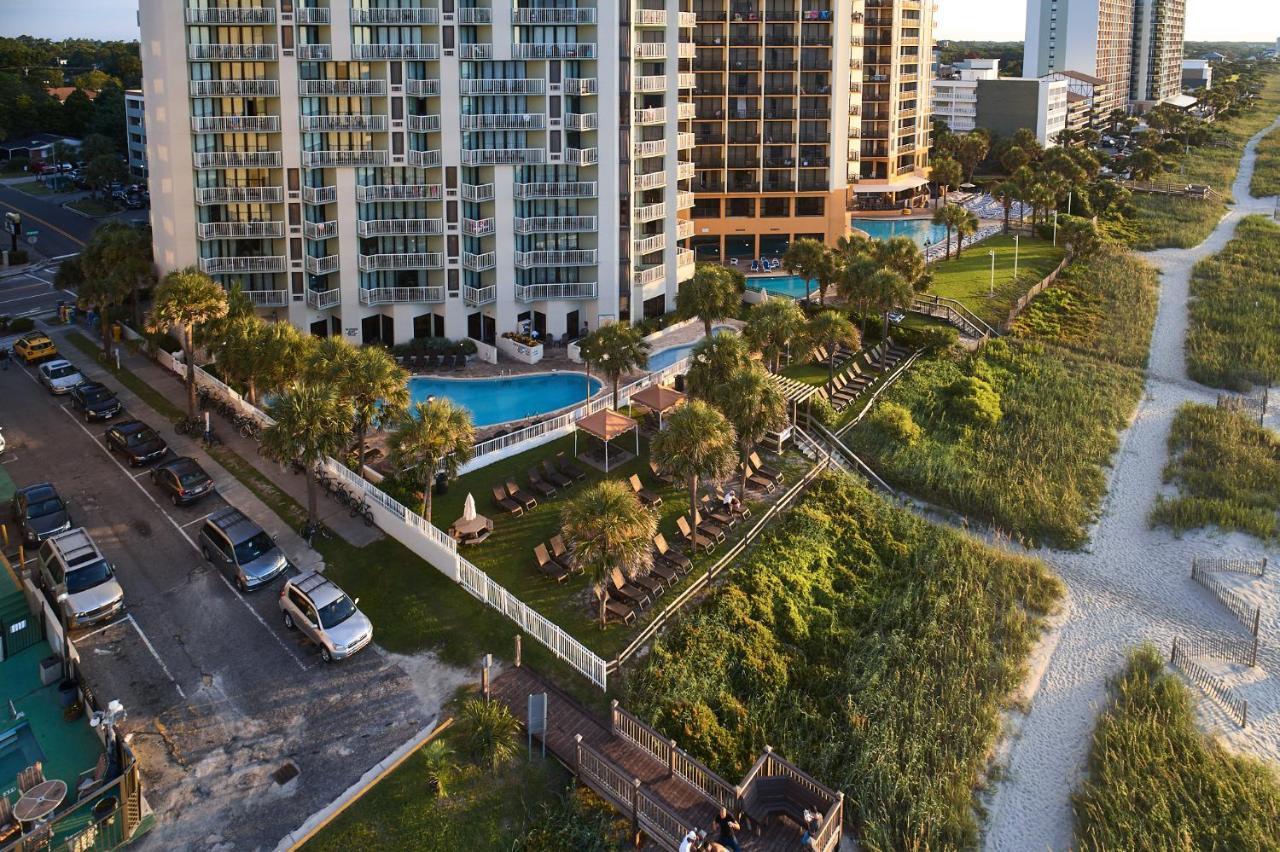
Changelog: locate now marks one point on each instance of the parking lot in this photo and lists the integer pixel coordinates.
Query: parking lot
(220, 696)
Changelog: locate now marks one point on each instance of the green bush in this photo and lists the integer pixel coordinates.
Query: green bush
(896, 422)
(929, 337)
(17, 257)
(974, 402)
(820, 409)
(19, 325)
(435, 346)
(164, 341)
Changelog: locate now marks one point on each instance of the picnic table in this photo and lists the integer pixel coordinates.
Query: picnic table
(40, 801)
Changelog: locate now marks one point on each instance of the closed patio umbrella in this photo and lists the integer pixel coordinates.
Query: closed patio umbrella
(469, 508)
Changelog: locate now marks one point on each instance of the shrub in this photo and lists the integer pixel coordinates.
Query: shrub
(17, 257)
(896, 422)
(973, 401)
(19, 325)
(821, 410)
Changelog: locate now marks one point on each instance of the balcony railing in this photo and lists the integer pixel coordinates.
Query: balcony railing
(684, 171)
(312, 14)
(350, 122)
(567, 50)
(687, 20)
(402, 260)
(655, 148)
(582, 156)
(649, 213)
(479, 262)
(239, 195)
(248, 15)
(421, 88)
(579, 85)
(647, 245)
(395, 51)
(684, 200)
(246, 265)
(424, 159)
(328, 159)
(479, 50)
(553, 16)
(684, 229)
(315, 51)
(356, 88)
(478, 227)
(572, 189)
(267, 298)
(477, 296)
(424, 123)
(563, 257)
(650, 83)
(685, 264)
(237, 160)
(319, 194)
(555, 224)
(239, 230)
(399, 227)
(234, 88)
(475, 15)
(235, 123)
(504, 121)
(240, 52)
(581, 121)
(395, 17)
(649, 275)
(645, 50)
(686, 111)
(320, 230)
(508, 86)
(322, 300)
(320, 265)
(653, 115)
(687, 81)
(478, 192)
(388, 295)
(650, 180)
(544, 292)
(685, 141)
(503, 156)
(399, 192)
(650, 18)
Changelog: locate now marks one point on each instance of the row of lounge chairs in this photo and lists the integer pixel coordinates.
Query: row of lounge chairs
(433, 363)
(545, 481)
(861, 374)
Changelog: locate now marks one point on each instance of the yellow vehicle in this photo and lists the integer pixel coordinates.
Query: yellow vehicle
(34, 346)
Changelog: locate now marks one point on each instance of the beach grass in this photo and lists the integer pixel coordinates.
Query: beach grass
(1266, 170)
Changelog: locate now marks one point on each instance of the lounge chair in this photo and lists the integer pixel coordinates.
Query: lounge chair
(561, 554)
(658, 474)
(767, 472)
(717, 513)
(620, 588)
(664, 571)
(568, 468)
(646, 496)
(501, 499)
(616, 609)
(651, 583)
(743, 511)
(446, 363)
(755, 266)
(698, 540)
(755, 480)
(525, 499)
(671, 555)
(707, 528)
(555, 477)
(548, 566)
(537, 483)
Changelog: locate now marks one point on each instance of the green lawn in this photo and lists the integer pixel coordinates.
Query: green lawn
(809, 372)
(1266, 171)
(33, 187)
(92, 207)
(967, 279)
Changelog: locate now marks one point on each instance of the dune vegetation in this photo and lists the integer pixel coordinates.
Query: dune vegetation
(1266, 171)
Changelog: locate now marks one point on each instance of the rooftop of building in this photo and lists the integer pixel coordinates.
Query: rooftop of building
(64, 92)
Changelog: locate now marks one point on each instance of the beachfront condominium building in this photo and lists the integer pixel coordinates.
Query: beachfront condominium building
(797, 105)
(390, 169)
(1158, 27)
(977, 97)
(135, 119)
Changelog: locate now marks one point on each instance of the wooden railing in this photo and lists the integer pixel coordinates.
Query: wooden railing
(678, 762)
(954, 313)
(625, 792)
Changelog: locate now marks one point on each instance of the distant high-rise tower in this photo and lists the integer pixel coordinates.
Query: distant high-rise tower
(1158, 27)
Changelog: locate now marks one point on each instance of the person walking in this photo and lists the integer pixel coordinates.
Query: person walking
(728, 827)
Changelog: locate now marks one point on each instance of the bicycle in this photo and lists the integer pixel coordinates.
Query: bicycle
(362, 508)
(189, 426)
(308, 531)
(249, 428)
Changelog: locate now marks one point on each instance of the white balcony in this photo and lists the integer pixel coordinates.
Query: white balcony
(649, 275)
(315, 51)
(648, 245)
(684, 229)
(650, 18)
(553, 16)
(475, 51)
(654, 148)
(312, 14)
(687, 81)
(239, 230)
(421, 88)
(249, 15)
(686, 260)
(267, 298)
(573, 189)
(563, 257)
(417, 51)
(582, 156)
(352, 88)
(686, 111)
(650, 180)
(235, 123)
(395, 17)
(478, 192)
(234, 88)
(579, 85)
(649, 213)
(686, 50)
(687, 20)
(319, 194)
(684, 171)
(239, 195)
(653, 115)
(479, 262)
(245, 265)
(684, 200)
(322, 300)
(320, 265)
(650, 83)
(685, 141)
(546, 292)
(503, 156)
(399, 192)
(651, 51)
(505, 121)
(566, 50)
(555, 224)
(475, 15)
(390, 295)
(477, 296)
(320, 230)
(399, 227)
(350, 123)
(478, 227)
(581, 121)
(424, 159)
(402, 260)
(335, 159)
(424, 123)
(236, 52)
(506, 86)
(237, 160)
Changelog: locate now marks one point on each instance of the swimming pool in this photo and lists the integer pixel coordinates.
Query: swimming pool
(919, 230)
(664, 358)
(783, 285)
(500, 400)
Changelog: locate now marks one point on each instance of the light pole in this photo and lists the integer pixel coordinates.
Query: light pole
(1016, 243)
(991, 291)
(1070, 198)
(1055, 229)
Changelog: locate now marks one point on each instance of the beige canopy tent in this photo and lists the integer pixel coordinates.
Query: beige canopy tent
(659, 399)
(606, 425)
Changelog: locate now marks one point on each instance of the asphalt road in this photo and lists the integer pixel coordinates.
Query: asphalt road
(219, 695)
(31, 293)
(62, 231)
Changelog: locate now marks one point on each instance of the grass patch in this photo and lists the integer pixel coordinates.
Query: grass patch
(870, 647)
(967, 279)
(1266, 171)
(92, 207)
(33, 187)
(810, 373)
(1227, 471)
(152, 397)
(1234, 336)
(1156, 782)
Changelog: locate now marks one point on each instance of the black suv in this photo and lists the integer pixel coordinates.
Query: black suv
(183, 480)
(96, 401)
(137, 441)
(40, 512)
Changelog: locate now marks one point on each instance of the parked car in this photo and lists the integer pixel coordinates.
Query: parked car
(183, 480)
(241, 548)
(60, 376)
(79, 579)
(34, 346)
(313, 604)
(136, 441)
(39, 512)
(96, 401)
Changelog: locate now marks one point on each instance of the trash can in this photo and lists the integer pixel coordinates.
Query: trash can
(50, 670)
(68, 693)
(116, 332)
(442, 484)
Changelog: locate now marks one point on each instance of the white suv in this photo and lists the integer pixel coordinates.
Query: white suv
(323, 612)
(60, 376)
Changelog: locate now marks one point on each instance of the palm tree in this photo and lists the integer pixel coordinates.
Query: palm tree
(490, 732)
(831, 328)
(752, 402)
(698, 442)
(311, 424)
(118, 264)
(713, 362)
(1145, 164)
(615, 350)
(890, 290)
(434, 434)
(946, 173)
(712, 294)
(855, 284)
(805, 258)
(949, 216)
(377, 388)
(1006, 192)
(186, 301)
(282, 358)
(772, 326)
(966, 224)
(438, 764)
(609, 530)
(973, 149)
(903, 256)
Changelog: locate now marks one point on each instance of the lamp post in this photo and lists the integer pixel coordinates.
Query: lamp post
(1055, 229)
(992, 290)
(1016, 244)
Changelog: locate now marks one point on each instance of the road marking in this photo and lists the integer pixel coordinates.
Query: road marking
(29, 215)
(152, 649)
(198, 520)
(105, 627)
(182, 532)
(26, 298)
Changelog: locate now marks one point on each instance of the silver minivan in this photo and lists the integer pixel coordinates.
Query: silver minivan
(80, 579)
(313, 604)
(241, 548)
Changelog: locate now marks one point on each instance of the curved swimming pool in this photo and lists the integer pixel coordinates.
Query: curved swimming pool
(919, 230)
(664, 358)
(503, 399)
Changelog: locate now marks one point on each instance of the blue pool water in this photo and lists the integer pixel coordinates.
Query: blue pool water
(783, 285)
(500, 400)
(664, 358)
(919, 230)
(18, 750)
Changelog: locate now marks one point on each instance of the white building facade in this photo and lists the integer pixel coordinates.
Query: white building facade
(135, 118)
(389, 171)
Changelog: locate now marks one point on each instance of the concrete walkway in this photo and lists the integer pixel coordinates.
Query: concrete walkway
(1133, 586)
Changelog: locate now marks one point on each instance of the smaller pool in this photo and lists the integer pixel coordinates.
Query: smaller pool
(783, 285)
(919, 230)
(18, 750)
(664, 358)
(501, 400)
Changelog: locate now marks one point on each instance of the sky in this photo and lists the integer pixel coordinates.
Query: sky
(990, 20)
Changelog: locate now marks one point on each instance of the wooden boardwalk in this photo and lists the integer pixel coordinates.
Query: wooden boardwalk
(663, 790)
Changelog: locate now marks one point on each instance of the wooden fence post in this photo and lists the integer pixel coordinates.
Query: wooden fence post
(577, 755)
(484, 676)
(1244, 714)
(613, 718)
(1173, 655)
(671, 758)
(635, 810)
(517, 650)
